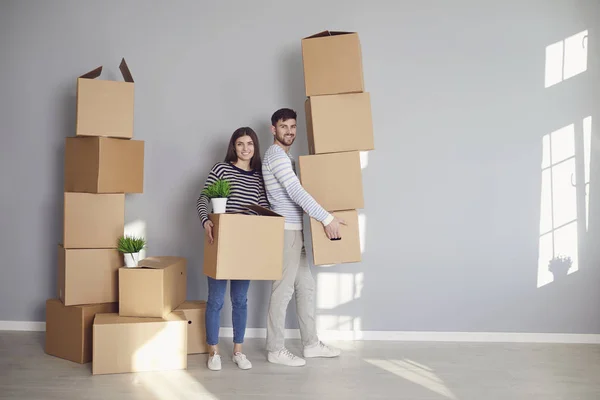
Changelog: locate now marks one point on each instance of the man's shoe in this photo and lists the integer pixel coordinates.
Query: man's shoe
(320, 349)
(284, 357)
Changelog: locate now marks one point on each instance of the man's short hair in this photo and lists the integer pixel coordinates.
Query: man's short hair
(282, 114)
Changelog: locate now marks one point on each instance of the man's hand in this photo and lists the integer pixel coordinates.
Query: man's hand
(333, 229)
(208, 227)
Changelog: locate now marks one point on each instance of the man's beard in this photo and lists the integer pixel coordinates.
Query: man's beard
(281, 139)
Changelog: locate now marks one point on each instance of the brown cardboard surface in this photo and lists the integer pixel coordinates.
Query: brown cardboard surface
(245, 246)
(332, 63)
(195, 313)
(334, 180)
(128, 344)
(104, 165)
(346, 250)
(88, 276)
(154, 289)
(69, 329)
(93, 221)
(104, 107)
(339, 123)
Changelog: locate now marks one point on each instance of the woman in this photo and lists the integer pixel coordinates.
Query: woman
(242, 168)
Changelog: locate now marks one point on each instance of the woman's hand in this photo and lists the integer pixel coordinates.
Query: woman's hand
(208, 227)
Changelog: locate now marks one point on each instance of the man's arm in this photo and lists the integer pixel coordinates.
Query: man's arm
(281, 167)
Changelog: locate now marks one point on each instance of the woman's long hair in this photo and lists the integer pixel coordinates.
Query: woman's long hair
(231, 156)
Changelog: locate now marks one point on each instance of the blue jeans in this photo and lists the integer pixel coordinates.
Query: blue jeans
(216, 298)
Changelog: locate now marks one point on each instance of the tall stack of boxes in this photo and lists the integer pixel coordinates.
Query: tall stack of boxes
(339, 126)
(102, 164)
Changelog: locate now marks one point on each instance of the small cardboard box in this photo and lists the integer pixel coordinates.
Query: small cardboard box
(195, 313)
(129, 344)
(93, 221)
(332, 63)
(88, 276)
(245, 246)
(104, 107)
(104, 165)
(345, 250)
(334, 180)
(69, 329)
(153, 289)
(339, 123)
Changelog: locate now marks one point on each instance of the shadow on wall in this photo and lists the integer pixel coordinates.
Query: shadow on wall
(67, 122)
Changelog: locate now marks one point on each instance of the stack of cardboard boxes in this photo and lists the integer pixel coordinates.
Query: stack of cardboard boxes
(102, 164)
(339, 126)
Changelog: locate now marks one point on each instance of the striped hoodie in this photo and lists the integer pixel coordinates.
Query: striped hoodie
(246, 188)
(285, 193)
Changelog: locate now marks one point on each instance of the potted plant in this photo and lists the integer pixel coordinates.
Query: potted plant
(559, 266)
(131, 246)
(218, 193)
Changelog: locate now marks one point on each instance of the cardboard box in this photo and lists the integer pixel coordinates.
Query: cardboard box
(88, 276)
(345, 250)
(93, 221)
(195, 313)
(69, 329)
(104, 107)
(332, 63)
(153, 289)
(245, 246)
(128, 344)
(339, 123)
(104, 165)
(334, 180)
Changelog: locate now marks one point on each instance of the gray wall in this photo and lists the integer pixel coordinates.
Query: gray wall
(452, 191)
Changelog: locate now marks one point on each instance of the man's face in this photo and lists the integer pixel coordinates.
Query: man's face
(285, 132)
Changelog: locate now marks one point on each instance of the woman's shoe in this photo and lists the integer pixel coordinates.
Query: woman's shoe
(214, 362)
(241, 361)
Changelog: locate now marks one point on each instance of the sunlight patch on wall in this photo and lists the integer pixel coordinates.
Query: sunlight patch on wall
(566, 58)
(335, 289)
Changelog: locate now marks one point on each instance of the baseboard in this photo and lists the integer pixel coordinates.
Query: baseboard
(398, 336)
(22, 326)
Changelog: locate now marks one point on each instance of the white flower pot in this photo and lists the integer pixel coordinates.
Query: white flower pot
(131, 259)
(219, 205)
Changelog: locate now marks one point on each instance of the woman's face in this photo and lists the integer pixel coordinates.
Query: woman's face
(244, 148)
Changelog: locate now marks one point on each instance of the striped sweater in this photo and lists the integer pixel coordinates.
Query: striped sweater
(285, 193)
(246, 188)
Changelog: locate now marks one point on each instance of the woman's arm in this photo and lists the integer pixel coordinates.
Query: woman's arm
(203, 200)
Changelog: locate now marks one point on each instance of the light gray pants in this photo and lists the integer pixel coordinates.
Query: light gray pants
(296, 278)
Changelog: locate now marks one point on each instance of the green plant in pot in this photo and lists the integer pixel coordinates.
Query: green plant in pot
(559, 266)
(218, 192)
(131, 246)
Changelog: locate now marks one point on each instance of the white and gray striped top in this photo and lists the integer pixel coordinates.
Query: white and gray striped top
(285, 193)
(247, 187)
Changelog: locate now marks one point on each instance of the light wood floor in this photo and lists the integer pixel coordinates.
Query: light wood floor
(366, 370)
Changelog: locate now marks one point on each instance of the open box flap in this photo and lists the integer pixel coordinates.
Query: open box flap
(159, 262)
(328, 33)
(123, 67)
(125, 71)
(92, 74)
(261, 210)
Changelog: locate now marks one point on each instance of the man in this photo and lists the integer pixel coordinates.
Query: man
(287, 197)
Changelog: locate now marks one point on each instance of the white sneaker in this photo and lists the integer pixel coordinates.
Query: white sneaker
(214, 362)
(284, 357)
(241, 361)
(321, 350)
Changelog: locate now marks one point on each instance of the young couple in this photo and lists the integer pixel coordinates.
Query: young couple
(271, 183)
